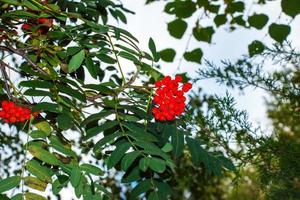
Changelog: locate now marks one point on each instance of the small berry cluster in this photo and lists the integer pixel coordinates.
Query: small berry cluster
(169, 100)
(12, 113)
(44, 25)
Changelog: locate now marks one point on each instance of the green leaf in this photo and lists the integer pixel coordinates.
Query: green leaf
(233, 7)
(45, 106)
(258, 21)
(177, 141)
(9, 183)
(153, 50)
(256, 47)
(17, 197)
(76, 61)
(128, 159)
(64, 122)
(167, 55)
(35, 183)
(177, 28)
(117, 154)
(139, 134)
(279, 32)
(203, 33)
(152, 149)
(59, 183)
(141, 188)
(32, 196)
(73, 50)
(106, 139)
(38, 134)
(96, 130)
(41, 172)
(167, 147)
(37, 93)
(131, 176)
(91, 169)
(194, 56)
(75, 176)
(290, 7)
(43, 155)
(95, 117)
(157, 165)
(184, 9)
(153, 196)
(105, 58)
(71, 92)
(128, 56)
(220, 20)
(59, 145)
(19, 14)
(144, 163)
(37, 84)
(194, 148)
(91, 67)
(227, 163)
(43, 126)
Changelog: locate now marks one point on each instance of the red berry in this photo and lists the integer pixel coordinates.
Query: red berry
(178, 78)
(26, 27)
(186, 87)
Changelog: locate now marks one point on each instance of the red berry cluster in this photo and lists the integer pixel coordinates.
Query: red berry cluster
(169, 99)
(43, 23)
(12, 113)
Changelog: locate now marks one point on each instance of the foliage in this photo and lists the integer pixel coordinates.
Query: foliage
(232, 15)
(66, 65)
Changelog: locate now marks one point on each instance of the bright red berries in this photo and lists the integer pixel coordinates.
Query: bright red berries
(26, 27)
(169, 100)
(12, 113)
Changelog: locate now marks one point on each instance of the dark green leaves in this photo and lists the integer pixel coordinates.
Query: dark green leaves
(43, 155)
(153, 50)
(64, 122)
(117, 154)
(141, 188)
(290, 7)
(35, 183)
(98, 129)
(91, 169)
(9, 183)
(167, 55)
(220, 20)
(106, 139)
(76, 61)
(91, 67)
(128, 159)
(258, 21)
(177, 28)
(256, 47)
(213, 162)
(157, 165)
(75, 176)
(203, 33)
(194, 56)
(279, 32)
(41, 172)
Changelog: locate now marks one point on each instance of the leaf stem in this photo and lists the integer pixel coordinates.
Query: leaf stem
(116, 56)
(25, 157)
